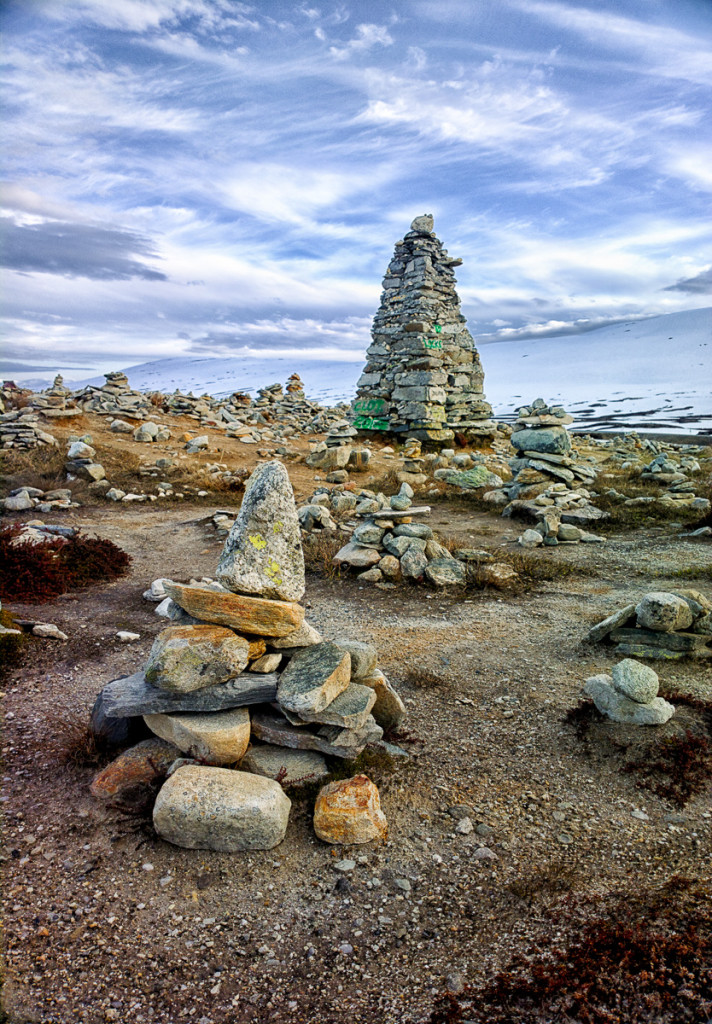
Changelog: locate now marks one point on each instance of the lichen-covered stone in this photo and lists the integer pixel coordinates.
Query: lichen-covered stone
(349, 812)
(202, 808)
(263, 551)
(185, 658)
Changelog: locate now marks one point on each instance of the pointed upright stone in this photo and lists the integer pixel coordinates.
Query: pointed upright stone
(263, 552)
(423, 376)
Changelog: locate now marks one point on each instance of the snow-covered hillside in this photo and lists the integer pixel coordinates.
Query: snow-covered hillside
(653, 374)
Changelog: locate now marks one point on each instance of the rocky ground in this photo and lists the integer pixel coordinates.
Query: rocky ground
(504, 823)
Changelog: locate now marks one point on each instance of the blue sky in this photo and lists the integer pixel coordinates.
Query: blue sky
(199, 177)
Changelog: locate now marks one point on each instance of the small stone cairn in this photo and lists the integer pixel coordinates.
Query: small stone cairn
(336, 454)
(663, 625)
(423, 376)
(549, 483)
(386, 546)
(20, 428)
(241, 664)
(629, 695)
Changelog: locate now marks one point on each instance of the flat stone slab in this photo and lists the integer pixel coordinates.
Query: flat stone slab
(350, 710)
(363, 657)
(388, 710)
(217, 737)
(263, 551)
(288, 767)
(602, 629)
(314, 678)
(650, 638)
(132, 695)
(185, 658)
(254, 615)
(271, 727)
(202, 808)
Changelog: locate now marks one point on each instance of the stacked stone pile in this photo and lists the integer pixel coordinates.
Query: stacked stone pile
(81, 463)
(56, 402)
(629, 695)
(550, 483)
(20, 429)
(22, 499)
(663, 625)
(423, 376)
(674, 476)
(115, 398)
(336, 455)
(240, 664)
(387, 546)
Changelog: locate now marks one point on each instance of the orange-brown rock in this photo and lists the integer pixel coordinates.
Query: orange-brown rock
(257, 649)
(349, 811)
(255, 615)
(134, 769)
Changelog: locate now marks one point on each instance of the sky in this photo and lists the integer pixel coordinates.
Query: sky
(210, 177)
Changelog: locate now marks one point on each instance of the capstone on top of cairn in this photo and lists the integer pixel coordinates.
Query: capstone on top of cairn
(423, 377)
(294, 385)
(263, 552)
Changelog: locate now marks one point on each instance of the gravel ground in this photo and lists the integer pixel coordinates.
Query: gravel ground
(103, 921)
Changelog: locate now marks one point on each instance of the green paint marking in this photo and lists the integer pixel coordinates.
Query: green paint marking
(370, 423)
(438, 328)
(432, 343)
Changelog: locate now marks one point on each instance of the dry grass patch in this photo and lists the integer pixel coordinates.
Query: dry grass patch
(320, 547)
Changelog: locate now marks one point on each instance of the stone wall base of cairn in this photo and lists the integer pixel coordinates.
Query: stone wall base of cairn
(241, 679)
(423, 378)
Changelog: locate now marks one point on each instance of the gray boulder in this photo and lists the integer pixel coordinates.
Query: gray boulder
(554, 440)
(634, 680)
(217, 809)
(664, 612)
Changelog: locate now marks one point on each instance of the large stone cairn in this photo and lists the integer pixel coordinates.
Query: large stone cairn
(423, 376)
(240, 664)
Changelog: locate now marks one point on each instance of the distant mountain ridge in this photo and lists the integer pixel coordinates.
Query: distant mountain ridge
(653, 374)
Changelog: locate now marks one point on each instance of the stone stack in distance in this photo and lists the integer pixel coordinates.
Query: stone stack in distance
(423, 376)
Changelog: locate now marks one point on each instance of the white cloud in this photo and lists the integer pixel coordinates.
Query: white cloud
(367, 36)
(671, 52)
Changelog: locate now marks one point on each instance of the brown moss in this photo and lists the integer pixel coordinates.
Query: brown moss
(33, 573)
(642, 961)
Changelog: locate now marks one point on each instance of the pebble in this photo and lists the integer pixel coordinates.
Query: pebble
(344, 866)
